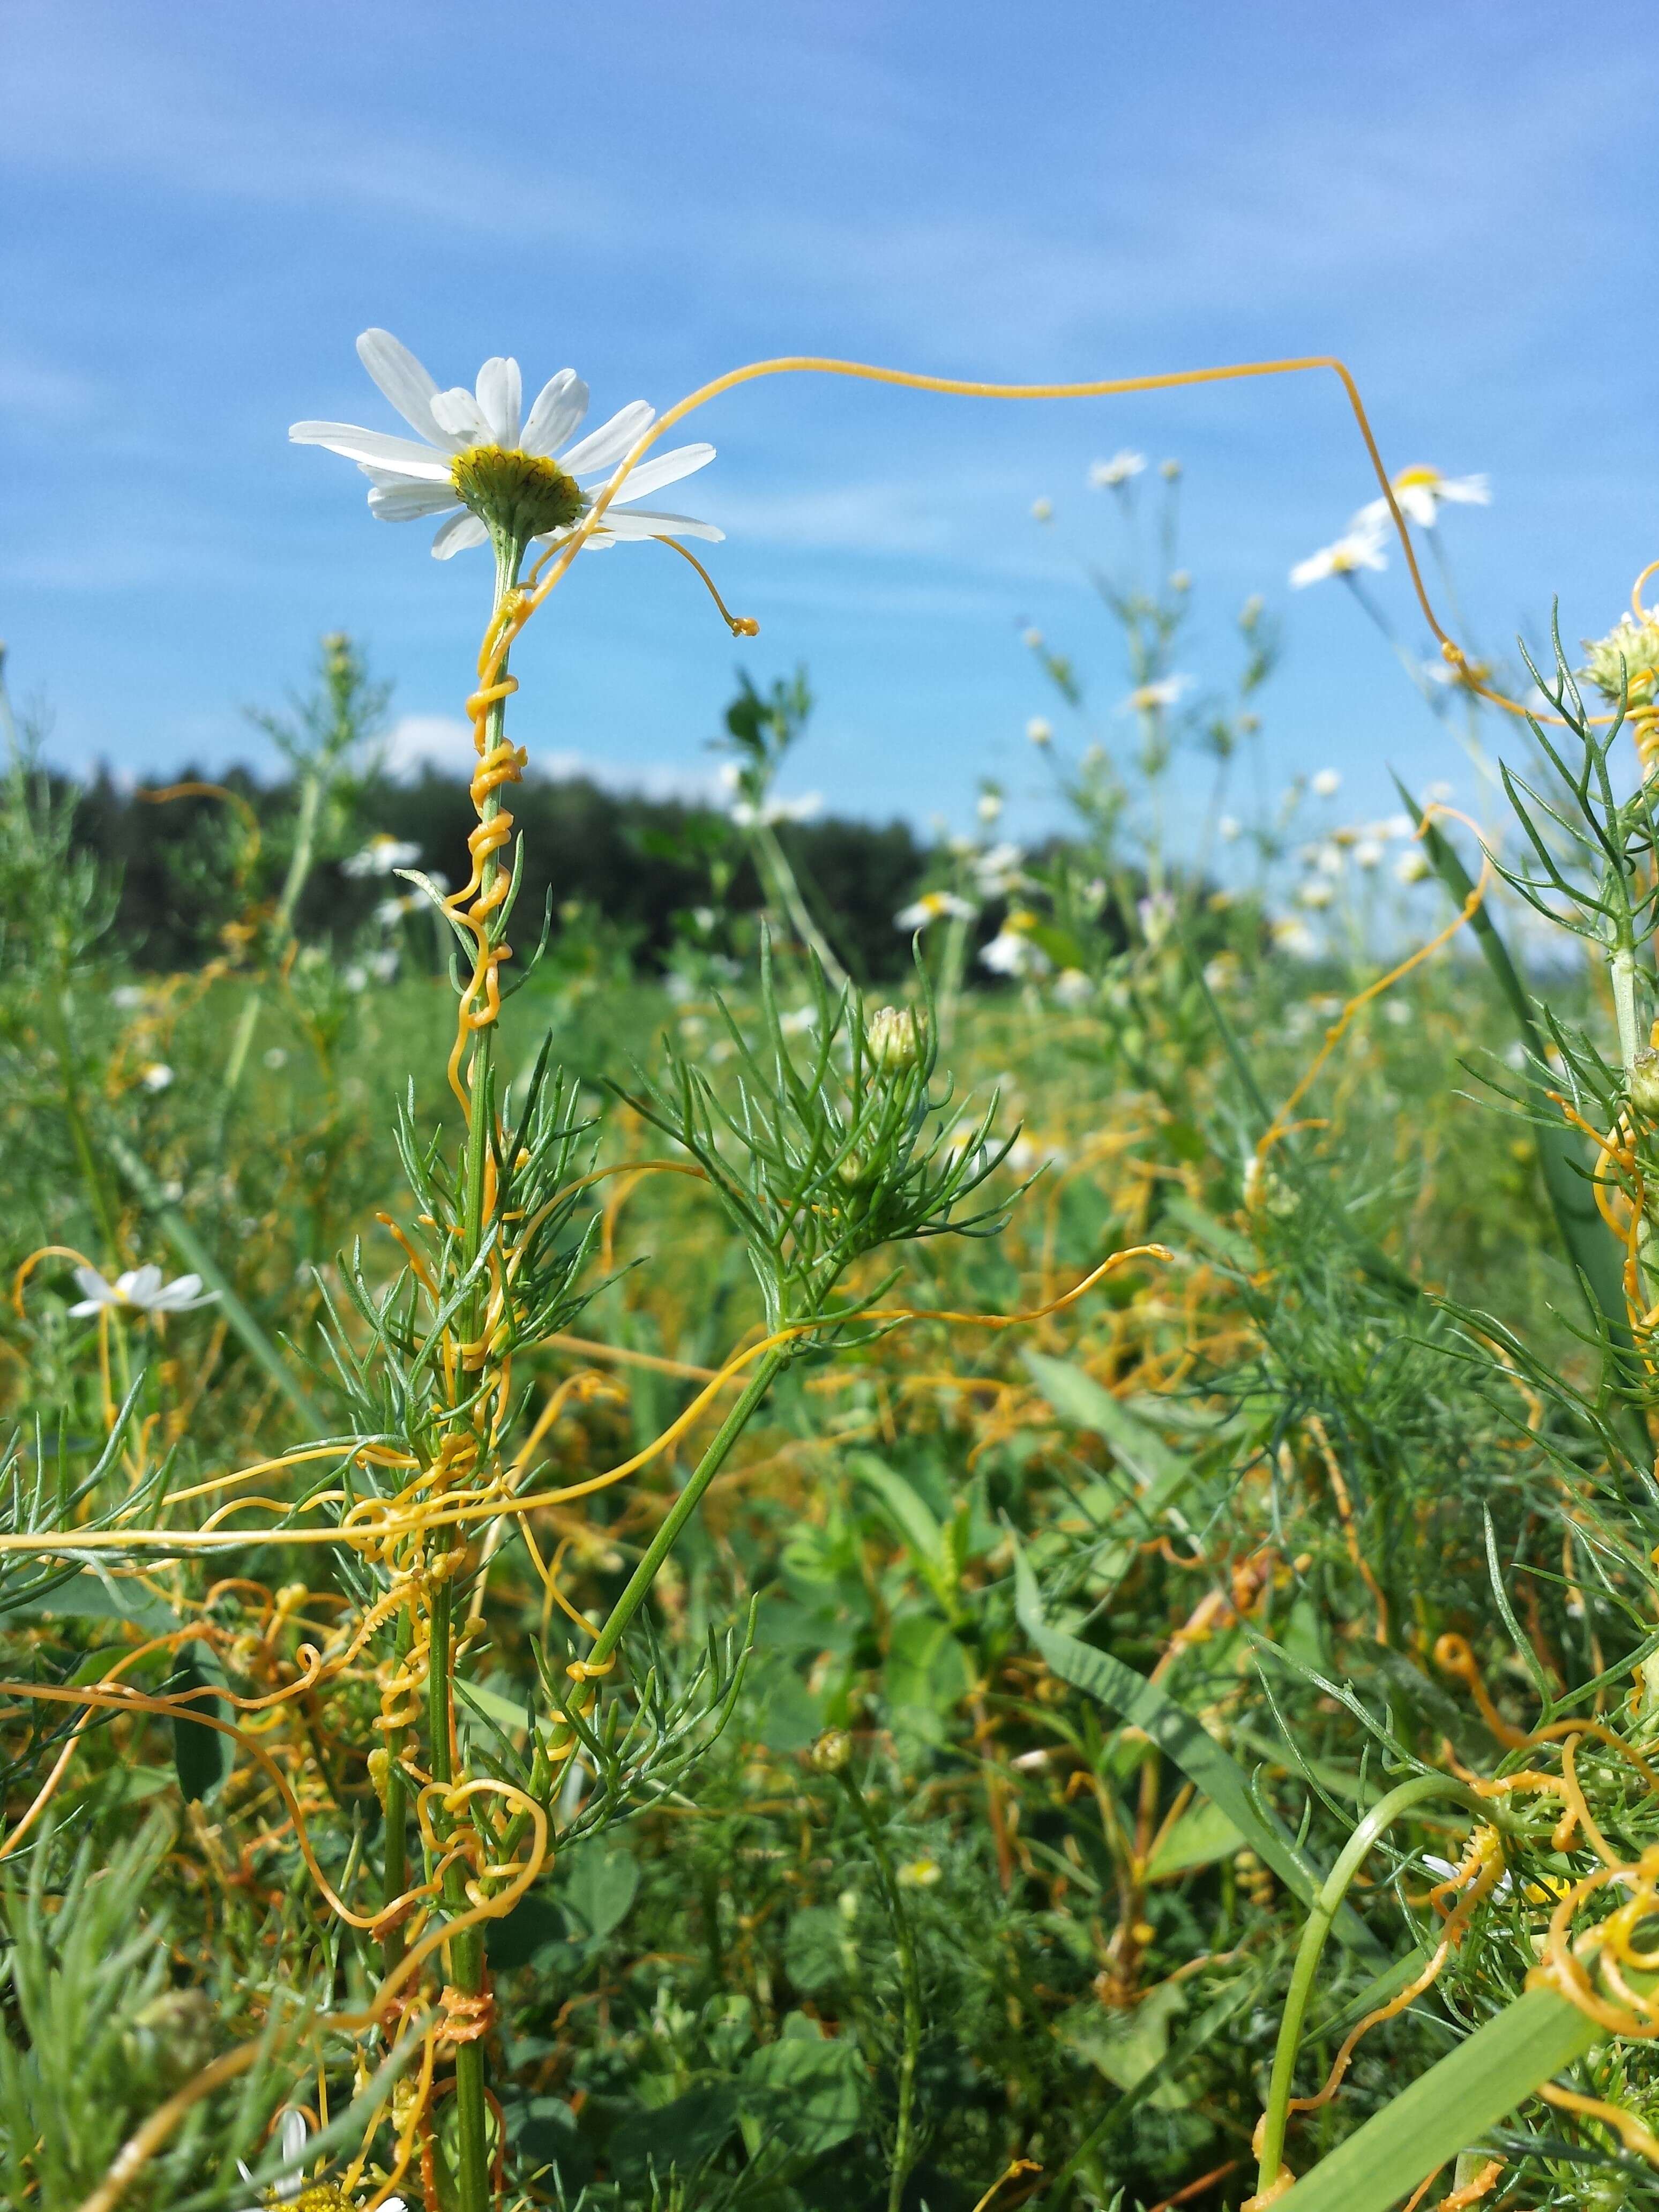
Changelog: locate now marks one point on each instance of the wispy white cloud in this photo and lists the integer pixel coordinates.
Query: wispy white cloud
(443, 743)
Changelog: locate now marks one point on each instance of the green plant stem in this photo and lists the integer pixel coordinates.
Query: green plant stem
(394, 1878)
(684, 1506)
(779, 878)
(904, 2143)
(466, 1950)
(299, 868)
(1315, 1931)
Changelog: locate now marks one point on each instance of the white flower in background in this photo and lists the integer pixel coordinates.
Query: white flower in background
(1392, 826)
(1010, 951)
(798, 1020)
(1039, 731)
(355, 977)
(157, 1076)
(1165, 691)
(1169, 471)
(275, 1057)
(383, 966)
(1033, 638)
(391, 911)
(1368, 853)
(1295, 937)
(1042, 510)
(129, 997)
(1421, 492)
(1072, 987)
(1317, 892)
(1328, 858)
(1413, 866)
(1359, 547)
(1107, 476)
(1441, 791)
(141, 1287)
(989, 806)
(997, 871)
(1180, 580)
(931, 906)
(748, 816)
(478, 456)
(1230, 828)
(383, 854)
(1326, 783)
(1157, 914)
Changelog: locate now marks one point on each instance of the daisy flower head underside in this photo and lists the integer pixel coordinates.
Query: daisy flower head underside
(495, 474)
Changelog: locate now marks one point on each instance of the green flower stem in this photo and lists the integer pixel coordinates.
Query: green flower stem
(904, 2143)
(779, 879)
(1317, 1927)
(685, 1505)
(467, 1952)
(299, 868)
(394, 1878)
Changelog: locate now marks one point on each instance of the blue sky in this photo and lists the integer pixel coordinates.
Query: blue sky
(203, 203)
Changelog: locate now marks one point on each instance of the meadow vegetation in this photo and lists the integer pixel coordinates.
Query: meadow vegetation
(821, 1566)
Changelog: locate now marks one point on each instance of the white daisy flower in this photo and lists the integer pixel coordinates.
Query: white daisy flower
(382, 856)
(1166, 691)
(1421, 492)
(1042, 510)
(997, 869)
(1010, 951)
(290, 2185)
(141, 1287)
(1073, 988)
(1039, 731)
(748, 816)
(1359, 547)
(1317, 892)
(1107, 476)
(931, 907)
(1413, 866)
(1368, 853)
(479, 461)
(157, 1076)
(1326, 783)
(989, 806)
(1229, 828)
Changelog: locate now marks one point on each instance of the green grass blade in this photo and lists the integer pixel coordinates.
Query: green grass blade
(1193, 1749)
(1448, 2108)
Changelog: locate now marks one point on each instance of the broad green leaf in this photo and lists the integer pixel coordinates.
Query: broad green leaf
(676, 2136)
(1194, 1750)
(804, 2092)
(1203, 1834)
(598, 1888)
(818, 1949)
(1448, 2108)
(916, 1521)
(89, 1596)
(1160, 1473)
(1126, 2044)
(202, 1755)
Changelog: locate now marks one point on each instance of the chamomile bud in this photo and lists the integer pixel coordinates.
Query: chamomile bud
(833, 1752)
(1628, 653)
(1642, 1083)
(892, 1037)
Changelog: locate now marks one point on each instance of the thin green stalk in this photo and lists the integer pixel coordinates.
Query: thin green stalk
(684, 1506)
(1317, 1928)
(299, 868)
(786, 891)
(394, 1877)
(466, 1950)
(904, 1943)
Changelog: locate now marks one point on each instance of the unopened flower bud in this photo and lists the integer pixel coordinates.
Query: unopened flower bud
(1642, 1083)
(833, 1752)
(892, 1037)
(380, 1770)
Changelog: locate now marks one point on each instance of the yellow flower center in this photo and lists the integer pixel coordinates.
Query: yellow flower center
(321, 2197)
(518, 495)
(1411, 479)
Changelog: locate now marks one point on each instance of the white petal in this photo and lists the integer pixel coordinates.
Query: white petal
(402, 380)
(96, 1290)
(406, 502)
(500, 399)
(294, 2135)
(603, 448)
(140, 1284)
(636, 522)
(179, 1292)
(402, 454)
(663, 469)
(460, 531)
(459, 417)
(560, 406)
